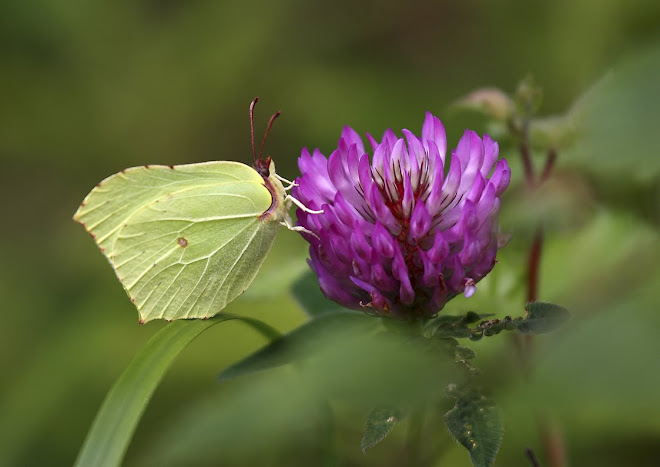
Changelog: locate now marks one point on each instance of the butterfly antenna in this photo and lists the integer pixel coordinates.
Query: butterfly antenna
(252, 104)
(270, 124)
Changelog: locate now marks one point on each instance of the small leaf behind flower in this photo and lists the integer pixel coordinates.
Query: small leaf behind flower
(543, 317)
(380, 422)
(476, 424)
(308, 294)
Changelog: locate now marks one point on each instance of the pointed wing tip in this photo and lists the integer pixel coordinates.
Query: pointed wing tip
(78, 214)
(78, 219)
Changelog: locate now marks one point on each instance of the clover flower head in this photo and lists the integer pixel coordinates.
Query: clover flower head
(400, 233)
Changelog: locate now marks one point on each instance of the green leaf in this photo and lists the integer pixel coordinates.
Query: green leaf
(380, 422)
(452, 325)
(185, 240)
(543, 317)
(619, 118)
(464, 353)
(300, 341)
(113, 427)
(476, 424)
(308, 294)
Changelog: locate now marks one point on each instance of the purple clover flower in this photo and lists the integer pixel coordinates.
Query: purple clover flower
(398, 237)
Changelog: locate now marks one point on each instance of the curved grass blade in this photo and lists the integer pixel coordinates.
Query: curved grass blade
(115, 422)
(299, 342)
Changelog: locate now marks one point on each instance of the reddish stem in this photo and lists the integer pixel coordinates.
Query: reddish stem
(525, 149)
(549, 164)
(554, 446)
(525, 153)
(552, 439)
(533, 265)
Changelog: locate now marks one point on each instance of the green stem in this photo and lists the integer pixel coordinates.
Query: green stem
(414, 441)
(329, 441)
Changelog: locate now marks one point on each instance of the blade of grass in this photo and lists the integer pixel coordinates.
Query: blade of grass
(115, 422)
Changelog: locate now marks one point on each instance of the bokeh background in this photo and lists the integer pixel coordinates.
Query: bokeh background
(88, 88)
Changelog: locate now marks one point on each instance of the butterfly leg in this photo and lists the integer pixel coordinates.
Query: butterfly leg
(297, 228)
(302, 206)
(284, 180)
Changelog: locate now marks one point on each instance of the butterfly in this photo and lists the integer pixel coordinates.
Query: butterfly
(186, 240)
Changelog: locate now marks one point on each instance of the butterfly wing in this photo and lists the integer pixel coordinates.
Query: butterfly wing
(183, 240)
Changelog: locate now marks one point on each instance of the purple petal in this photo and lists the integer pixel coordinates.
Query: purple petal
(501, 177)
(470, 288)
(420, 222)
(389, 138)
(455, 283)
(416, 154)
(381, 279)
(345, 212)
(330, 286)
(400, 271)
(382, 212)
(430, 276)
(382, 241)
(408, 197)
(360, 245)
(433, 130)
(315, 173)
(453, 180)
(470, 151)
(434, 199)
(365, 175)
(491, 151)
(351, 137)
(472, 249)
(372, 141)
(399, 160)
(343, 172)
(477, 188)
(440, 249)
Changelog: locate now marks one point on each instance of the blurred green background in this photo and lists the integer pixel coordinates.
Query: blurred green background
(88, 88)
